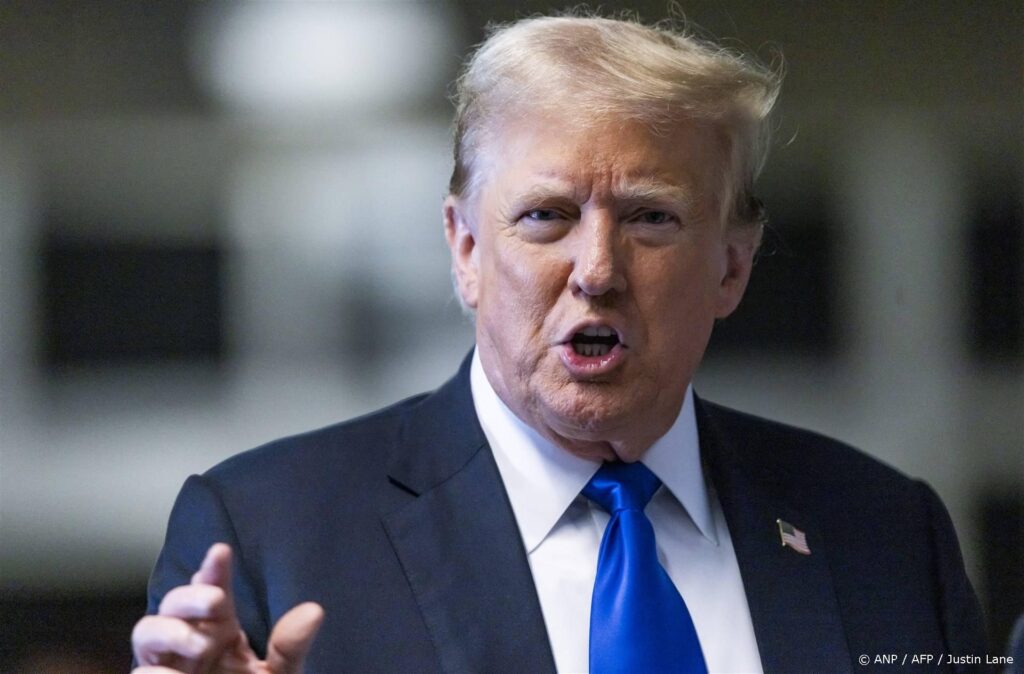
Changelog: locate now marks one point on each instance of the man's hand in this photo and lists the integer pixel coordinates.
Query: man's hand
(196, 630)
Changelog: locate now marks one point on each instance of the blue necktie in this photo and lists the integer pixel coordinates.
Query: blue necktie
(638, 621)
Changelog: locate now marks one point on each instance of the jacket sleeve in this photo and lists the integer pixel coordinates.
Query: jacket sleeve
(962, 621)
(198, 520)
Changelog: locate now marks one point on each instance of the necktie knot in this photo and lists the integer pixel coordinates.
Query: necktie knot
(622, 486)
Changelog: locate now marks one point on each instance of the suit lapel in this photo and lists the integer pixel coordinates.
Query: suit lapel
(458, 542)
(791, 598)
(459, 546)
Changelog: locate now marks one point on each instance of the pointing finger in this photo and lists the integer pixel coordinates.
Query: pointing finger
(216, 568)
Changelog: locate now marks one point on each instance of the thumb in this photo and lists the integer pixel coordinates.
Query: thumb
(291, 638)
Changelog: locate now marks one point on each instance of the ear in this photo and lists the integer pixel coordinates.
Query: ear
(740, 244)
(462, 244)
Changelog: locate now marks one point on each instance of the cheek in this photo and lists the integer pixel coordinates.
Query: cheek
(681, 299)
(527, 282)
(520, 288)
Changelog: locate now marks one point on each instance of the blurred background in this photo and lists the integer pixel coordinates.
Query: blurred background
(221, 224)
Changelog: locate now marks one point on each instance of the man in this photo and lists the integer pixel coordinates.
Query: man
(565, 501)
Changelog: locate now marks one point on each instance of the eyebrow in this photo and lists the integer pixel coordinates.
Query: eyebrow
(631, 191)
(538, 194)
(648, 190)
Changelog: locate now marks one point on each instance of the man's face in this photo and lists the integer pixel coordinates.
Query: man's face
(597, 263)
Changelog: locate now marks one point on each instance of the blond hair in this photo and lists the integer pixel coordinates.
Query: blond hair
(598, 69)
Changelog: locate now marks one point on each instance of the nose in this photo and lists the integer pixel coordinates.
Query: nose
(597, 268)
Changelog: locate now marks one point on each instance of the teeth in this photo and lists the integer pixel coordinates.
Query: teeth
(592, 350)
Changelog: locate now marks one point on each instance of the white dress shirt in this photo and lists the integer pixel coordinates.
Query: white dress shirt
(562, 531)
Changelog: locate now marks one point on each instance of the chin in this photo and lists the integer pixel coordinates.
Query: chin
(589, 416)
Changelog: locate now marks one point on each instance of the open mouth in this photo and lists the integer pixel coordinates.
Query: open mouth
(594, 341)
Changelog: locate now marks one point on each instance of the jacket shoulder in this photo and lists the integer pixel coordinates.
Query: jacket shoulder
(796, 454)
(361, 445)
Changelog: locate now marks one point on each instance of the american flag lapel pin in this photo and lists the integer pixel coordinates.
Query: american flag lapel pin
(793, 537)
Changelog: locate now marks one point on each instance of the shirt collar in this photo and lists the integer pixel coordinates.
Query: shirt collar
(542, 480)
(675, 459)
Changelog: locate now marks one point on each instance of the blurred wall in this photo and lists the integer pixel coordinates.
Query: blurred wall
(221, 224)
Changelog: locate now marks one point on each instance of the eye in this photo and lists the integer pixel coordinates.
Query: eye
(655, 217)
(543, 225)
(654, 226)
(543, 214)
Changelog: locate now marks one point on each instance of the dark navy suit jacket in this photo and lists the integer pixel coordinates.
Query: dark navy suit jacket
(399, 525)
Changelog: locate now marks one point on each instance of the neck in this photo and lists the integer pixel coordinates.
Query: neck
(626, 446)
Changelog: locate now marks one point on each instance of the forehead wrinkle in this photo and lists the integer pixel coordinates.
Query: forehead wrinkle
(553, 184)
